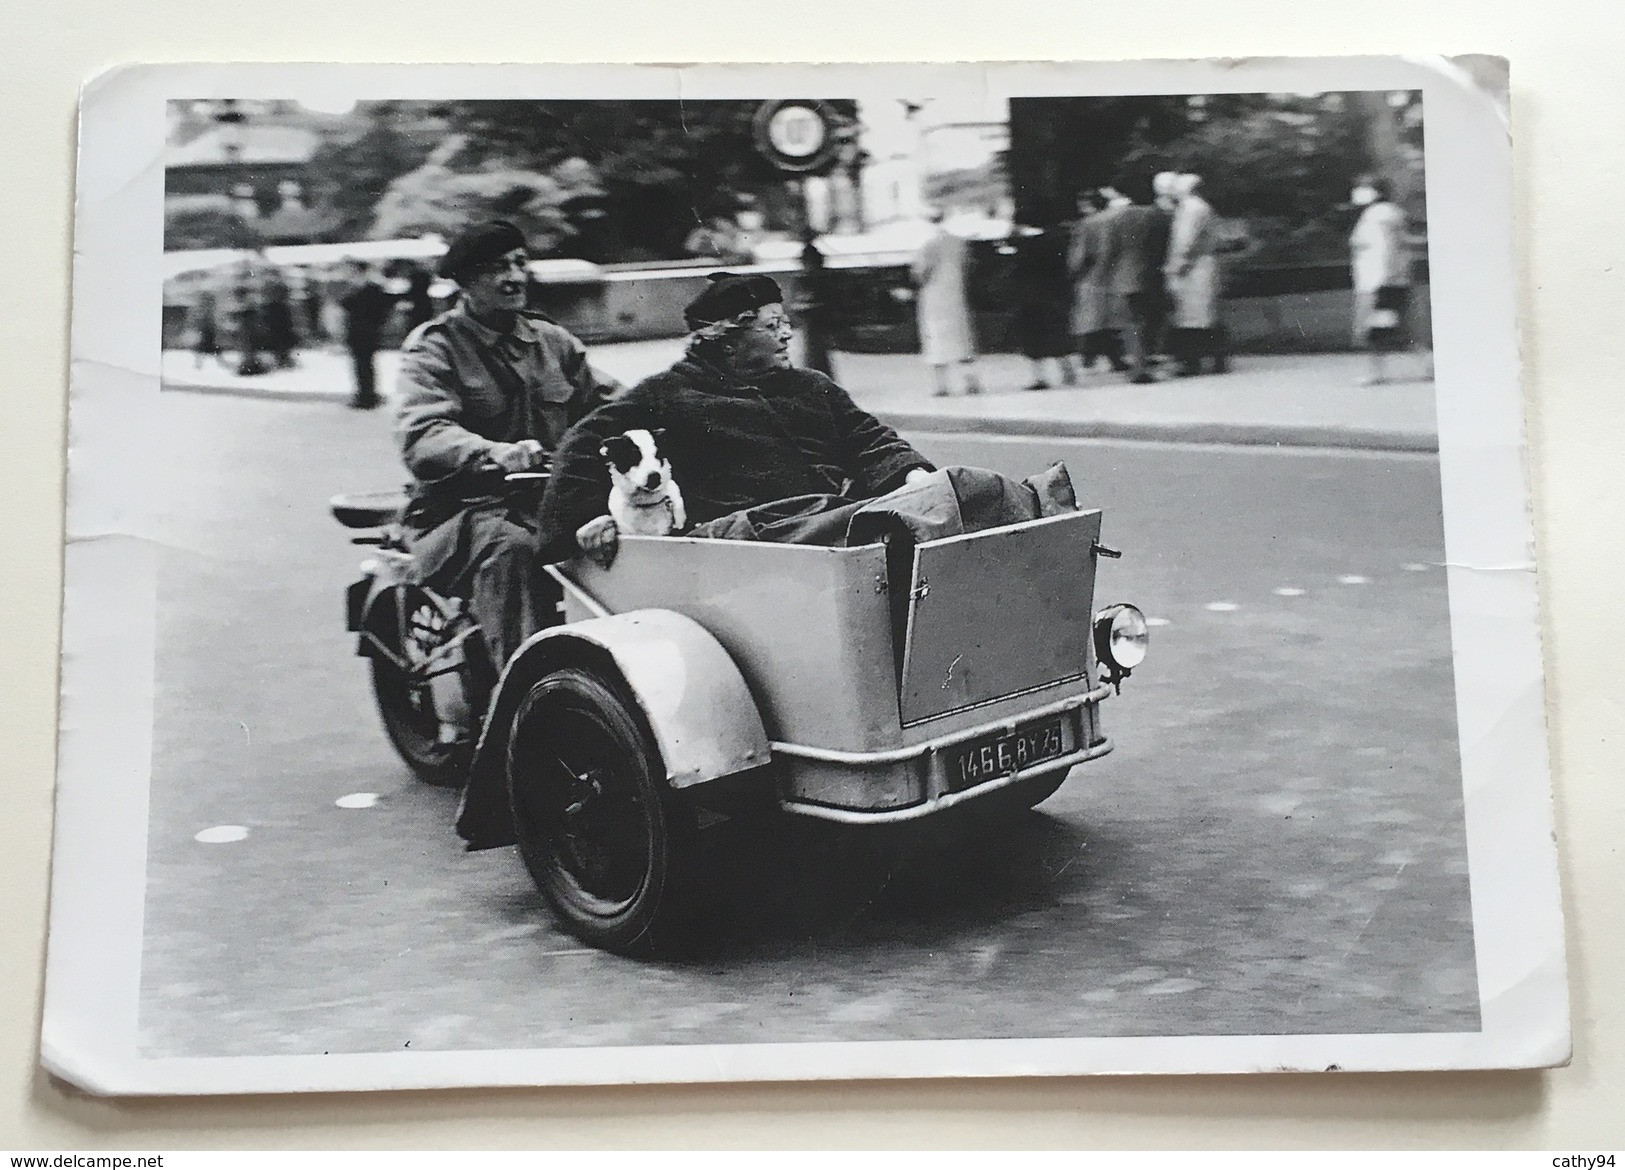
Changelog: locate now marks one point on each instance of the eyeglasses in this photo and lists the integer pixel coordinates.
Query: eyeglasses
(774, 322)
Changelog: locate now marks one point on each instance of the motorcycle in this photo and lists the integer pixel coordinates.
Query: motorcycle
(432, 677)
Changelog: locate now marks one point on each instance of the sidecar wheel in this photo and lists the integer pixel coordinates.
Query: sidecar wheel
(408, 715)
(607, 843)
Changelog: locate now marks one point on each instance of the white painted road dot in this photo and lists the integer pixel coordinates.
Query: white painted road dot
(1156, 621)
(222, 835)
(1222, 606)
(1354, 579)
(357, 800)
(1415, 567)
(1288, 591)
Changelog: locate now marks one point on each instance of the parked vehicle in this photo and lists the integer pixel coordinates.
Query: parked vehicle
(698, 677)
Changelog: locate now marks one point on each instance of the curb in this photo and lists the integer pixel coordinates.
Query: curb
(1205, 433)
(276, 393)
(1202, 433)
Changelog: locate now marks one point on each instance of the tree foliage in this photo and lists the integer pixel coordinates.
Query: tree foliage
(664, 168)
(1282, 163)
(352, 170)
(436, 198)
(604, 180)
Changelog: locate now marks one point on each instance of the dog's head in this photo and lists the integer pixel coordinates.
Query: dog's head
(636, 465)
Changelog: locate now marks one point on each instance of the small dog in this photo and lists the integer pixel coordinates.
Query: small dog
(643, 498)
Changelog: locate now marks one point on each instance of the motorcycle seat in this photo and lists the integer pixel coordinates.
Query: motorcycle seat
(368, 509)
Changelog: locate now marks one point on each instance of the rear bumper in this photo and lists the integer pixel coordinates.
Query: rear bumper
(944, 800)
(907, 783)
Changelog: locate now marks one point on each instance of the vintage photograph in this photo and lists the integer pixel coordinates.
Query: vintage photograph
(930, 561)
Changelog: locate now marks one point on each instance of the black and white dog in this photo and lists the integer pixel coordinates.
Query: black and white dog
(643, 498)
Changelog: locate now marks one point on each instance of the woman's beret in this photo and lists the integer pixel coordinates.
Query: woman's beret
(730, 294)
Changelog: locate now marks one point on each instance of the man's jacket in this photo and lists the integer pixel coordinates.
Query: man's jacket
(465, 388)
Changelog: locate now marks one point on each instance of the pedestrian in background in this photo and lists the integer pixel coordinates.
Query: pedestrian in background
(946, 336)
(1136, 249)
(1096, 320)
(419, 301)
(1043, 297)
(246, 318)
(335, 282)
(1196, 333)
(367, 308)
(276, 307)
(813, 302)
(205, 328)
(1381, 262)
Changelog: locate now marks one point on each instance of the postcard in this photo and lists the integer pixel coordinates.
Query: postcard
(585, 575)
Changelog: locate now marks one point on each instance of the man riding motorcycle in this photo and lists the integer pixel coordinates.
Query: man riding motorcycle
(486, 388)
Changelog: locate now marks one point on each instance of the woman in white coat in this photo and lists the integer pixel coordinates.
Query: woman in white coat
(1195, 281)
(946, 336)
(1381, 261)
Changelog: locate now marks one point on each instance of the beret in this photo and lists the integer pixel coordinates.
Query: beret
(479, 244)
(728, 295)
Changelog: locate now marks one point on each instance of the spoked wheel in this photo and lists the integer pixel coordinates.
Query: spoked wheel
(606, 842)
(412, 630)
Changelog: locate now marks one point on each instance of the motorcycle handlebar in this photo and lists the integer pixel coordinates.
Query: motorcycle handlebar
(536, 476)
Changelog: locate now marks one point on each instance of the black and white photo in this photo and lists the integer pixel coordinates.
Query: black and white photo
(625, 574)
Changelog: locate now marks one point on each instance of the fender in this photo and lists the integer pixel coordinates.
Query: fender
(379, 576)
(691, 696)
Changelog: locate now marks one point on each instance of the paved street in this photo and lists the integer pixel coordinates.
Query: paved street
(1275, 846)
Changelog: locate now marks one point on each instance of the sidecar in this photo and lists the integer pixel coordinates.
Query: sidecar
(697, 677)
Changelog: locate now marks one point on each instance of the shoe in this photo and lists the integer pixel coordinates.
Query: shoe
(1142, 379)
(1221, 365)
(365, 403)
(940, 394)
(1038, 385)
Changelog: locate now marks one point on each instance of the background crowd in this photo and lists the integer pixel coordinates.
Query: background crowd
(1136, 282)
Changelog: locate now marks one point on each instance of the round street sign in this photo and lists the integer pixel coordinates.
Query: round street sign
(797, 136)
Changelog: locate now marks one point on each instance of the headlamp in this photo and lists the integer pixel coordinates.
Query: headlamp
(1121, 640)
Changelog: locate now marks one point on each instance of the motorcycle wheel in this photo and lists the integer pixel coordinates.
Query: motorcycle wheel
(407, 711)
(607, 843)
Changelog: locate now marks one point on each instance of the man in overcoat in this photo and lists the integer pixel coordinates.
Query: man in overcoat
(1136, 248)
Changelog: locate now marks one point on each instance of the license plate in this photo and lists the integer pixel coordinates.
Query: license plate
(987, 759)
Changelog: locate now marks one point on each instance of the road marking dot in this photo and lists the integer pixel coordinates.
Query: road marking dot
(1353, 579)
(1222, 606)
(222, 834)
(357, 800)
(1288, 591)
(1156, 621)
(1416, 567)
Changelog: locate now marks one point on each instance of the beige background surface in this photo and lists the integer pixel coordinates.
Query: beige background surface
(1566, 64)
